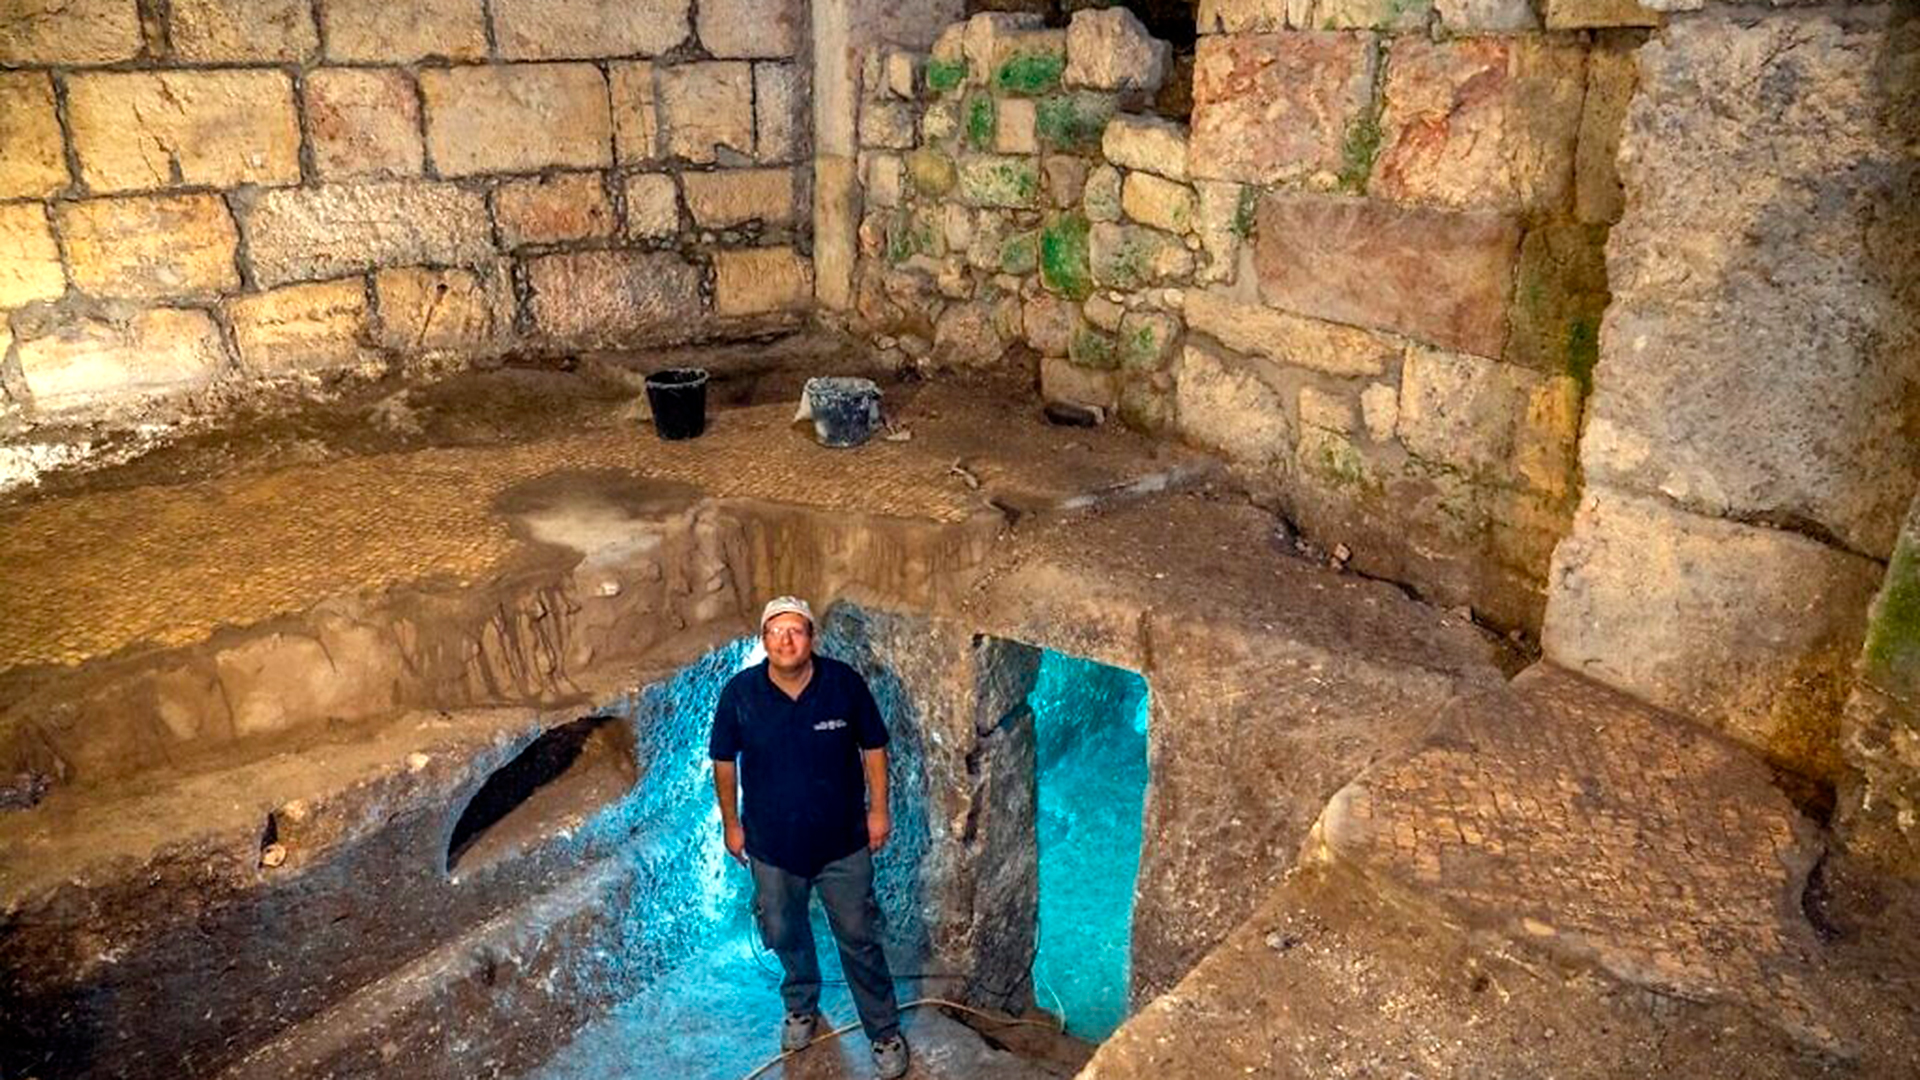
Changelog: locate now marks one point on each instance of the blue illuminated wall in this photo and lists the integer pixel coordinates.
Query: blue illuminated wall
(1090, 723)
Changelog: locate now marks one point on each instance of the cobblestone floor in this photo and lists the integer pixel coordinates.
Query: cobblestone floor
(1565, 815)
(88, 574)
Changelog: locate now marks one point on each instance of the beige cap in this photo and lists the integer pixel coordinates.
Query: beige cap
(786, 605)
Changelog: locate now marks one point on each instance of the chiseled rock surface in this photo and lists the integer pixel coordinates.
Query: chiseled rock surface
(1809, 180)
(426, 310)
(380, 31)
(583, 29)
(70, 32)
(727, 197)
(1320, 82)
(706, 107)
(517, 118)
(1751, 630)
(140, 130)
(296, 234)
(29, 258)
(307, 327)
(1230, 410)
(363, 122)
(1148, 143)
(552, 209)
(754, 281)
(734, 29)
(238, 31)
(1110, 50)
(1245, 325)
(150, 246)
(35, 163)
(88, 360)
(614, 297)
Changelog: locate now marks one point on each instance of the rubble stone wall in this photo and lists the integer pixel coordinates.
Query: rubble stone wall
(1370, 272)
(200, 195)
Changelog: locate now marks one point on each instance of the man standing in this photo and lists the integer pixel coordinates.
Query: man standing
(811, 747)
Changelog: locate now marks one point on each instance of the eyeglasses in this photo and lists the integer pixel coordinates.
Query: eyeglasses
(788, 632)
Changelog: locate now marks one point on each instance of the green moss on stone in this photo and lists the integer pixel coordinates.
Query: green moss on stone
(1243, 211)
(1090, 348)
(1064, 266)
(980, 117)
(945, 75)
(910, 234)
(1358, 153)
(1893, 629)
(1029, 74)
(1583, 352)
(1072, 121)
(1009, 182)
(1020, 254)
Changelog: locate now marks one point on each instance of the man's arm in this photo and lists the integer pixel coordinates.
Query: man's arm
(879, 820)
(726, 786)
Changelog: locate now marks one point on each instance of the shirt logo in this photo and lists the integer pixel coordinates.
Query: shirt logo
(830, 725)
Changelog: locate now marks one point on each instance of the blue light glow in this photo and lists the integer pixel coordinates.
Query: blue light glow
(1090, 725)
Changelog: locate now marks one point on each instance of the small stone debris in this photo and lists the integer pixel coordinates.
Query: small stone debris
(273, 855)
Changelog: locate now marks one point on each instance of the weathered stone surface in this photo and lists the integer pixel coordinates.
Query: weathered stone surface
(323, 232)
(890, 125)
(1104, 312)
(375, 31)
(753, 281)
(69, 32)
(151, 246)
(968, 335)
(1251, 16)
(1066, 178)
(1376, 14)
(932, 172)
(1589, 14)
(1480, 16)
(1326, 410)
(1130, 256)
(751, 28)
(1073, 122)
(884, 176)
(653, 206)
(1002, 181)
(613, 298)
(1110, 50)
(552, 209)
(137, 130)
(1094, 349)
(33, 163)
(424, 310)
(1064, 260)
(1062, 380)
(242, 30)
(1102, 194)
(1750, 629)
(706, 107)
(363, 122)
(636, 134)
(588, 29)
(299, 328)
(777, 120)
(92, 362)
(1275, 108)
(1485, 122)
(1611, 77)
(1249, 327)
(1880, 731)
(1148, 143)
(1440, 276)
(1146, 339)
(1047, 323)
(836, 208)
(29, 259)
(1497, 423)
(1698, 342)
(1013, 133)
(1223, 215)
(1230, 410)
(1163, 204)
(1560, 294)
(728, 197)
(1380, 410)
(517, 118)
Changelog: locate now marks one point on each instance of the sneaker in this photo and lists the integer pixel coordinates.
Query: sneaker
(796, 1031)
(890, 1058)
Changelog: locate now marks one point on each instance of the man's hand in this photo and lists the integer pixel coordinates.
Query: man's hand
(736, 842)
(879, 827)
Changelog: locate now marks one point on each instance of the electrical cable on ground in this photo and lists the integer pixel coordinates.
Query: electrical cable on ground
(914, 1004)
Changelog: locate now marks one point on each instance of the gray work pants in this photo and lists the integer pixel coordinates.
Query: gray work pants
(846, 891)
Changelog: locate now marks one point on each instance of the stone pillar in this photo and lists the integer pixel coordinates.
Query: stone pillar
(1748, 450)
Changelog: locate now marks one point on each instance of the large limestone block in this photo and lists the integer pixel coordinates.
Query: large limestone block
(1480, 122)
(1000, 181)
(95, 361)
(1750, 629)
(426, 310)
(299, 328)
(69, 31)
(1403, 15)
(1497, 423)
(1110, 50)
(1247, 326)
(375, 31)
(636, 130)
(32, 160)
(729, 197)
(1611, 78)
(1147, 143)
(1227, 408)
(29, 259)
(743, 29)
(363, 122)
(1163, 204)
(151, 246)
(614, 298)
(237, 31)
(1132, 256)
(754, 281)
(517, 118)
(1277, 108)
(707, 108)
(138, 130)
(323, 232)
(1481, 16)
(1762, 346)
(587, 29)
(778, 123)
(1251, 16)
(1594, 14)
(653, 206)
(552, 209)
(1439, 276)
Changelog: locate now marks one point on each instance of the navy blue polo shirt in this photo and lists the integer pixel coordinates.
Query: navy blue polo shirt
(803, 789)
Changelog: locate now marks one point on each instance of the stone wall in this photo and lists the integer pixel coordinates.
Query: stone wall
(1370, 273)
(203, 194)
(1750, 446)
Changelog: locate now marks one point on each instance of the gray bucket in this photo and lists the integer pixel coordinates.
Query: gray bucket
(845, 410)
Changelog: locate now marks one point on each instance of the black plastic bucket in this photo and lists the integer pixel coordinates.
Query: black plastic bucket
(845, 409)
(678, 398)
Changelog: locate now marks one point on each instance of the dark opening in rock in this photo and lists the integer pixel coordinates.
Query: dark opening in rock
(559, 779)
